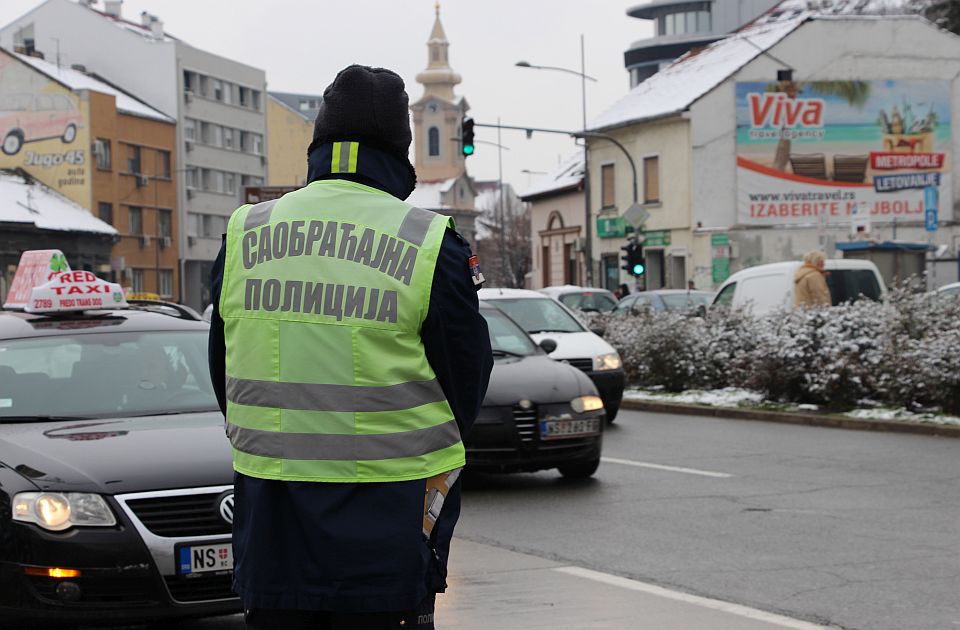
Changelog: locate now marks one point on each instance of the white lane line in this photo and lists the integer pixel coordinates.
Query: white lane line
(703, 602)
(689, 471)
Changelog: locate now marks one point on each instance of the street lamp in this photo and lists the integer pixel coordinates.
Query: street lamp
(588, 250)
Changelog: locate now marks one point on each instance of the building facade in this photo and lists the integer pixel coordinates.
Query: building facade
(111, 154)
(219, 105)
(804, 131)
(290, 132)
(682, 25)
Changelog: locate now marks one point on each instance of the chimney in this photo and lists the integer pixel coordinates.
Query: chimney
(112, 7)
(152, 22)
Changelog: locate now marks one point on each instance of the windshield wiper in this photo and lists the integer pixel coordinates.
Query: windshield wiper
(549, 330)
(507, 353)
(4, 419)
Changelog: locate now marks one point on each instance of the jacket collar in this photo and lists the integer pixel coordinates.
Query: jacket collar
(363, 164)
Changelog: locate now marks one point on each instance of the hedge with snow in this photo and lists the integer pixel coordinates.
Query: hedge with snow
(904, 352)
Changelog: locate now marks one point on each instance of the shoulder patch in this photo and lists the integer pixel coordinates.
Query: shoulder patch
(475, 274)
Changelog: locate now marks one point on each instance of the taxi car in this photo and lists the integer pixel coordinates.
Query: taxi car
(538, 413)
(116, 495)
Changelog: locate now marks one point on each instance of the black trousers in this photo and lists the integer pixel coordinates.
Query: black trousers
(270, 619)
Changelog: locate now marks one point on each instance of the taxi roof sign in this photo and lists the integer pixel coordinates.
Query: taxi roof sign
(44, 283)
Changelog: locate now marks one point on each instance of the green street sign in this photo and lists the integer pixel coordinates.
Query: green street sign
(719, 239)
(611, 227)
(657, 238)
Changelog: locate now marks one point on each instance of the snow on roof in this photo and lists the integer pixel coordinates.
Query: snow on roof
(428, 194)
(76, 80)
(795, 8)
(22, 202)
(569, 175)
(676, 87)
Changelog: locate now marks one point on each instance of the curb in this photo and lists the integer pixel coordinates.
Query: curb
(786, 417)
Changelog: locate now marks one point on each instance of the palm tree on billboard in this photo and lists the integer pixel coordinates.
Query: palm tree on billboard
(856, 93)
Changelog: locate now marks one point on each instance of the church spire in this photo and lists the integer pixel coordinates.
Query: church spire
(439, 78)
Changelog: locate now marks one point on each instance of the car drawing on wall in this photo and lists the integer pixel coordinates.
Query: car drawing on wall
(31, 117)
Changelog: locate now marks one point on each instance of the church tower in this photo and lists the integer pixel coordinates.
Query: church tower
(437, 115)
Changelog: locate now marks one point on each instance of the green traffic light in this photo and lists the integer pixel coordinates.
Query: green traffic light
(468, 149)
(638, 269)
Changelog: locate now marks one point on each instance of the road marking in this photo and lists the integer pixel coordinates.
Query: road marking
(704, 602)
(689, 471)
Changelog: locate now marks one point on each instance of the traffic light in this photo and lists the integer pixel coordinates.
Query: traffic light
(466, 136)
(633, 260)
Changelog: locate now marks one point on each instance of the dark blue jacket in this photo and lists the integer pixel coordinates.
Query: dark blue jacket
(358, 547)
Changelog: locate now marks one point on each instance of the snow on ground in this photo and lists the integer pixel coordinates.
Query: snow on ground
(735, 397)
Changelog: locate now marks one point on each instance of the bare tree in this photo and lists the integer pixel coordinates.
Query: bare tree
(943, 13)
(506, 265)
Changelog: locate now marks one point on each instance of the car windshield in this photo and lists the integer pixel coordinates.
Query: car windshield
(847, 285)
(105, 375)
(539, 315)
(505, 335)
(685, 301)
(589, 301)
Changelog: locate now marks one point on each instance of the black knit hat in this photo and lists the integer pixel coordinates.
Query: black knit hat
(365, 105)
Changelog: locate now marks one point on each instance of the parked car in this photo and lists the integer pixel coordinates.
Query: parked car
(31, 117)
(582, 298)
(950, 289)
(768, 287)
(538, 413)
(116, 485)
(665, 300)
(542, 317)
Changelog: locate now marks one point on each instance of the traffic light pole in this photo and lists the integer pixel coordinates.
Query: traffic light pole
(586, 175)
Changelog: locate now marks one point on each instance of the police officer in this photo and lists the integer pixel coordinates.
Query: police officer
(350, 359)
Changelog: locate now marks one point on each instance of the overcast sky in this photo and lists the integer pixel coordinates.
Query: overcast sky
(303, 43)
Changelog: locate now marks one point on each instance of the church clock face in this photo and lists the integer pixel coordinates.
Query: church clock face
(433, 107)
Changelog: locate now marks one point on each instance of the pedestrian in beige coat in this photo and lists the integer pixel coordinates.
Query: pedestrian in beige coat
(811, 285)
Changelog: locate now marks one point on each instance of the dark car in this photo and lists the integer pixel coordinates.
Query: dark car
(677, 300)
(116, 488)
(538, 413)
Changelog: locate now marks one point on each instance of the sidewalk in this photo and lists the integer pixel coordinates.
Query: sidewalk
(493, 588)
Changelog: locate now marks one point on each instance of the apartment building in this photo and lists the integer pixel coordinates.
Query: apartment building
(219, 106)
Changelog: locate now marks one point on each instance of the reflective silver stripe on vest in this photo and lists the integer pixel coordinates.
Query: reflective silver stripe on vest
(322, 397)
(345, 157)
(314, 446)
(415, 225)
(259, 214)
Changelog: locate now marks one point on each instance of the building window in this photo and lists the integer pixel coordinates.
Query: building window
(193, 224)
(685, 23)
(189, 80)
(192, 178)
(304, 106)
(651, 179)
(434, 141)
(214, 225)
(101, 149)
(136, 221)
(133, 159)
(189, 129)
(607, 195)
(137, 281)
(230, 183)
(251, 180)
(166, 282)
(255, 100)
(228, 93)
(257, 144)
(217, 136)
(164, 164)
(165, 223)
(105, 212)
(227, 138)
(218, 89)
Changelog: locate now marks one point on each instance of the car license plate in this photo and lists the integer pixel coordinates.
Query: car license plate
(194, 559)
(558, 429)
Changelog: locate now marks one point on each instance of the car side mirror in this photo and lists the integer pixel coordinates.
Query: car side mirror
(599, 332)
(548, 345)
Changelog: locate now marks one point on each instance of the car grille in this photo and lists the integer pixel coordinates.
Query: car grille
(526, 421)
(181, 515)
(101, 590)
(199, 589)
(581, 364)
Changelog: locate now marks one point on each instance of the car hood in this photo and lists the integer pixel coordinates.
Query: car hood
(118, 455)
(536, 378)
(578, 345)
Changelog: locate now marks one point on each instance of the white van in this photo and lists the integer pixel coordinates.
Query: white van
(765, 288)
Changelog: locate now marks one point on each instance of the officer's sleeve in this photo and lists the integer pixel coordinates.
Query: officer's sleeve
(216, 346)
(455, 335)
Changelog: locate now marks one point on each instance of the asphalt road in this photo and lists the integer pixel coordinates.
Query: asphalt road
(856, 529)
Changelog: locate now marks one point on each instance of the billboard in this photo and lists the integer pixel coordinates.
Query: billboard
(43, 130)
(840, 151)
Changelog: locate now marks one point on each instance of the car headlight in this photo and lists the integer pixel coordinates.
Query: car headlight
(584, 404)
(607, 362)
(56, 511)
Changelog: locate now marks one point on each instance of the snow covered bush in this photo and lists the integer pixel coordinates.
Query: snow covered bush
(904, 352)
